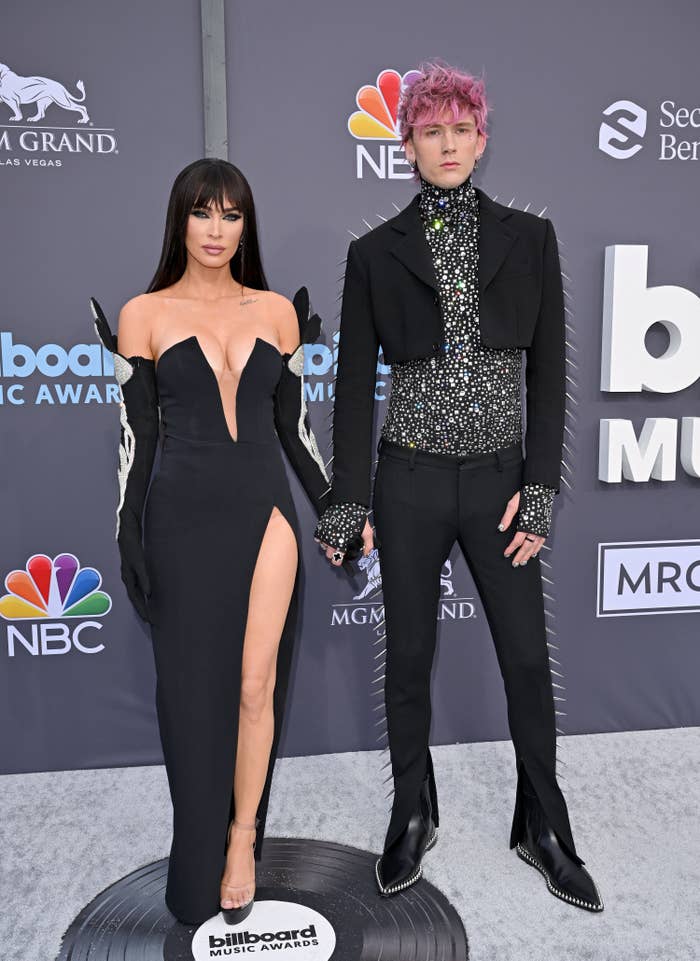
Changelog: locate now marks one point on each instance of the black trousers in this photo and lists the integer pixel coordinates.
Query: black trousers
(423, 503)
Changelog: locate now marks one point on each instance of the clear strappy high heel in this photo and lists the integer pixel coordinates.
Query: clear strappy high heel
(236, 915)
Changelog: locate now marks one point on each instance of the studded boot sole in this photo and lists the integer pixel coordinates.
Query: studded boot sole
(416, 876)
(525, 855)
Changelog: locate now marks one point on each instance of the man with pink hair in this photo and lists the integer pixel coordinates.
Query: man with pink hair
(455, 288)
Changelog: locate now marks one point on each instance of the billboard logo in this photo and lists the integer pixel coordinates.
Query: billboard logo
(320, 367)
(49, 589)
(377, 120)
(292, 929)
(654, 577)
(627, 115)
(20, 362)
(630, 309)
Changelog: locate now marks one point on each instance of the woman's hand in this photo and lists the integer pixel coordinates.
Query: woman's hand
(524, 545)
(336, 556)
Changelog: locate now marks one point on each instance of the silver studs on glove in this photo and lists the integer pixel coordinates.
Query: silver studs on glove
(340, 524)
(535, 511)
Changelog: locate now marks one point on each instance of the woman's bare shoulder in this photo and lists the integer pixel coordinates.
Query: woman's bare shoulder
(136, 321)
(282, 314)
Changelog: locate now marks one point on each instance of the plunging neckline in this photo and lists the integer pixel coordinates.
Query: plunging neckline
(193, 338)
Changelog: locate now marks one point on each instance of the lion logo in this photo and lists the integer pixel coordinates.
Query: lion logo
(372, 570)
(446, 579)
(370, 565)
(16, 91)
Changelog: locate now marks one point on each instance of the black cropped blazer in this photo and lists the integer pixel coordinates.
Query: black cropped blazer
(390, 297)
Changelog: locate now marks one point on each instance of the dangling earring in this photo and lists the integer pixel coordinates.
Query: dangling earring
(412, 164)
(476, 161)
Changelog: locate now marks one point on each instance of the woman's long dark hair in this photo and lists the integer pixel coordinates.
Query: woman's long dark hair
(201, 184)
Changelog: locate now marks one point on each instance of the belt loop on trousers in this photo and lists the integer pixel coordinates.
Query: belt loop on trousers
(412, 459)
(499, 460)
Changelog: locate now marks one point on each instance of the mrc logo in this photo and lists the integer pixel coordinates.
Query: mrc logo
(50, 590)
(376, 121)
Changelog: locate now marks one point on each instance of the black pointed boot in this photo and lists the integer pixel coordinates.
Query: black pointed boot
(540, 847)
(400, 865)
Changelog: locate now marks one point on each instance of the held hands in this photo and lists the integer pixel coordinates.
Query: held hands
(336, 556)
(524, 545)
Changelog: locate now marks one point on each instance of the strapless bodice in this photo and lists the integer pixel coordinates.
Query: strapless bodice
(190, 397)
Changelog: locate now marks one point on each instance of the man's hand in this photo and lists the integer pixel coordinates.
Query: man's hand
(336, 557)
(524, 545)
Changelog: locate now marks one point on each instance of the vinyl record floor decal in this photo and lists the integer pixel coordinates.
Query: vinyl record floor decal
(315, 901)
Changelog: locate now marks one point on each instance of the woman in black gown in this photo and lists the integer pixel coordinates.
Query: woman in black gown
(214, 359)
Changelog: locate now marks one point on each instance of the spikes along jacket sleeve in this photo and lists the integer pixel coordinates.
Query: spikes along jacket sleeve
(545, 377)
(139, 438)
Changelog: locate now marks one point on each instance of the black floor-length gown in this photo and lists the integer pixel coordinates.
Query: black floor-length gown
(206, 514)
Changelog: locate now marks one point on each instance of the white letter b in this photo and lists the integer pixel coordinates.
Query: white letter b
(629, 310)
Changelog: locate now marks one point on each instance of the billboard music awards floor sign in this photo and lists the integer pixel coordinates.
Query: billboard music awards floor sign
(315, 901)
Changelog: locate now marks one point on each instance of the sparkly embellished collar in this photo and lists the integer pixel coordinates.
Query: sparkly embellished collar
(445, 206)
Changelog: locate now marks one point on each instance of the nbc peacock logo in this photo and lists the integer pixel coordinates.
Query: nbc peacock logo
(376, 120)
(46, 593)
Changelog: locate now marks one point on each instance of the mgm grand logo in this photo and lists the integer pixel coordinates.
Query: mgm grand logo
(367, 607)
(38, 147)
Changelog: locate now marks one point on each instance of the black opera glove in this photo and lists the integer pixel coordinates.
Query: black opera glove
(139, 437)
(291, 415)
(341, 526)
(535, 509)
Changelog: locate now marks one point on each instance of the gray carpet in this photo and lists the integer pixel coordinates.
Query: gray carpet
(634, 801)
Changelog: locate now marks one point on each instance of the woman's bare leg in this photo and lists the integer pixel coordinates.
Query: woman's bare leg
(270, 594)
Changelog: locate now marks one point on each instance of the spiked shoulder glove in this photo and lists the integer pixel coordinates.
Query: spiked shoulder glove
(139, 437)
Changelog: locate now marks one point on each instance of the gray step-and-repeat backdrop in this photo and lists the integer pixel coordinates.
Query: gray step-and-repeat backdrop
(583, 131)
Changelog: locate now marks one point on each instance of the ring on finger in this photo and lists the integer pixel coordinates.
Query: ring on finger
(337, 555)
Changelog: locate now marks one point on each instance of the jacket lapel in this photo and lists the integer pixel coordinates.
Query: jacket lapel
(495, 238)
(411, 249)
(495, 241)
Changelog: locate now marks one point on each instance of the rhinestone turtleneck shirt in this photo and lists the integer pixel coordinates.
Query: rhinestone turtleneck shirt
(466, 399)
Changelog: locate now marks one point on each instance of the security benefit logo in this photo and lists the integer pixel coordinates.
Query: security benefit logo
(51, 607)
(33, 139)
(54, 375)
(365, 608)
(656, 577)
(614, 137)
(274, 928)
(622, 134)
(630, 309)
(375, 123)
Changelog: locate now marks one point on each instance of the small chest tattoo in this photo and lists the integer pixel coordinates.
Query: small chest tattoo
(249, 300)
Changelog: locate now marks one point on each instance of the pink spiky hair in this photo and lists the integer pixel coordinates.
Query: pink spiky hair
(437, 89)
